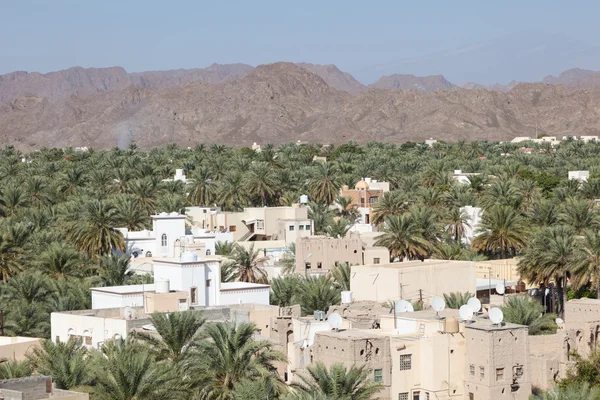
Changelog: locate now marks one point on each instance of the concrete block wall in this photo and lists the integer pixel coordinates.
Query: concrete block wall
(29, 388)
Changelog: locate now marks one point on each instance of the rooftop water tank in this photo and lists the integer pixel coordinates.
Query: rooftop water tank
(451, 325)
(189, 256)
(162, 286)
(346, 297)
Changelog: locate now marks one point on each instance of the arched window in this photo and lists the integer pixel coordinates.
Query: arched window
(208, 252)
(163, 240)
(148, 254)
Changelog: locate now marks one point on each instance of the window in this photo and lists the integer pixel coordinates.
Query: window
(373, 200)
(232, 228)
(426, 395)
(403, 396)
(308, 227)
(163, 240)
(319, 265)
(208, 283)
(499, 374)
(300, 227)
(471, 396)
(307, 265)
(49, 386)
(376, 260)
(291, 228)
(260, 224)
(517, 371)
(416, 395)
(194, 295)
(208, 252)
(472, 369)
(57, 339)
(405, 362)
(148, 254)
(481, 372)
(378, 375)
(88, 340)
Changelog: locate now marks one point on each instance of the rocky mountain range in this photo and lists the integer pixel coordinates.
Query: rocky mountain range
(284, 102)
(424, 84)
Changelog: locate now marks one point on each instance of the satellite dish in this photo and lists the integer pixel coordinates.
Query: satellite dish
(475, 304)
(500, 288)
(465, 312)
(438, 304)
(403, 306)
(496, 315)
(546, 292)
(559, 321)
(335, 321)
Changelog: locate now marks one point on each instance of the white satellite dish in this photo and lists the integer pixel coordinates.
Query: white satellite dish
(559, 321)
(496, 315)
(465, 312)
(500, 288)
(475, 304)
(403, 306)
(335, 321)
(438, 304)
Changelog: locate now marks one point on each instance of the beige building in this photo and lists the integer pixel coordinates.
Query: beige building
(420, 356)
(15, 348)
(256, 223)
(411, 279)
(366, 192)
(319, 254)
(36, 388)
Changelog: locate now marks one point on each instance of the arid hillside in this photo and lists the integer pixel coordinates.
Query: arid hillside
(283, 102)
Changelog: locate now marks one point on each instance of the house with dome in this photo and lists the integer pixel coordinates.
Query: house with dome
(365, 194)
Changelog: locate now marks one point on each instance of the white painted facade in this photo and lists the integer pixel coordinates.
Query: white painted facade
(474, 220)
(200, 278)
(93, 328)
(581, 176)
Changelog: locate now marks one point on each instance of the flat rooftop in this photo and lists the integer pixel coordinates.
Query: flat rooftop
(350, 333)
(415, 263)
(126, 289)
(484, 324)
(225, 286)
(8, 340)
(429, 315)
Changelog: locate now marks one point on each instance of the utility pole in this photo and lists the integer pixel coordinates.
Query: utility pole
(490, 287)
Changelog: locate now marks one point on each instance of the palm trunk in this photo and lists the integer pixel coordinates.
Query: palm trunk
(562, 288)
(598, 284)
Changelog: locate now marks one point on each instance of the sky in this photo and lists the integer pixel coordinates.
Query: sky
(153, 35)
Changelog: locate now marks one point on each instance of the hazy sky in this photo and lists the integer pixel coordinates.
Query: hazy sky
(146, 35)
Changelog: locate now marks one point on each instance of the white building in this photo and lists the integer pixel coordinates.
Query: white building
(474, 220)
(199, 278)
(581, 176)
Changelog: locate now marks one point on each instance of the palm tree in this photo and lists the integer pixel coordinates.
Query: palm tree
(324, 185)
(178, 335)
(60, 261)
(449, 251)
(580, 215)
(392, 203)
(129, 214)
(10, 257)
(65, 362)
(230, 194)
(317, 293)
(341, 275)
(457, 223)
(501, 229)
(95, 232)
(573, 391)
(346, 210)
(550, 256)
(260, 182)
(12, 369)
(544, 213)
(524, 310)
(338, 228)
(587, 267)
(231, 355)
(124, 370)
(284, 290)
(229, 271)
(321, 215)
(289, 260)
(247, 263)
(224, 248)
(455, 300)
(202, 189)
(339, 382)
(114, 269)
(403, 238)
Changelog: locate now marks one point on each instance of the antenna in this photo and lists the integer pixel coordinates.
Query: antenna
(500, 289)
(475, 304)
(496, 316)
(465, 312)
(403, 306)
(335, 321)
(438, 304)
